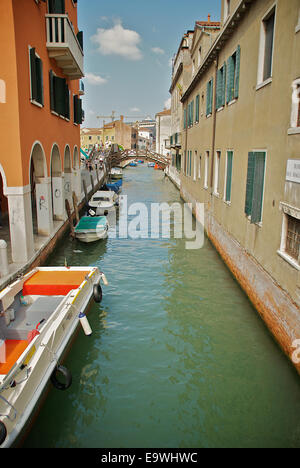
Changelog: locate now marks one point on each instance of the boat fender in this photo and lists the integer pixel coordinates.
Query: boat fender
(85, 324)
(97, 292)
(104, 279)
(66, 375)
(3, 432)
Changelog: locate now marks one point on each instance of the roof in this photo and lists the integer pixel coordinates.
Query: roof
(164, 112)
(91, 131)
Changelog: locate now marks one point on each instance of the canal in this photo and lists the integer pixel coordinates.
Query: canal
(178, 356)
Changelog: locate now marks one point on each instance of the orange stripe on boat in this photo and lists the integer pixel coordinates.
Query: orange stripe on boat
(13, 349)
(53, 283)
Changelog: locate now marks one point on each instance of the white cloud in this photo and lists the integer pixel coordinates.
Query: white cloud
(167, 104)
(93, 79)
(118, 41)
(158, 50)
(135, 109)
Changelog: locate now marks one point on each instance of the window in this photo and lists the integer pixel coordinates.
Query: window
(292, 245)
(199, 167)
(36, 77)
(56, 6)
(206, 170)
(199, 56)
(295, 116)
(209, 97)
(233, 75)
(78, 112)
(184, 119)
(266, 47)
(217, 173)
(255, 186)
(197, 108)
(195, 166)
(228, 176)
(221, 82)
(189, 164)
(59, 95)
(193, 67)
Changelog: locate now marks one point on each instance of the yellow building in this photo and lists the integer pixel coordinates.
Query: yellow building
(114, 132)
(241, 152)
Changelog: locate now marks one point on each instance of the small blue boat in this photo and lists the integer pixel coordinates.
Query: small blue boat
(115, 187)
(133, 164)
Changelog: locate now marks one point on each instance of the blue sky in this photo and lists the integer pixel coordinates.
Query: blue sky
(128, 45)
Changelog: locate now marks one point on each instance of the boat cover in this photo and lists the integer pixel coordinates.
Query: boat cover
(91, 223)
(54, 282)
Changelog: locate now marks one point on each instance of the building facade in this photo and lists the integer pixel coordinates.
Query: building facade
(241, 152)
(41, 54)
(163, 128)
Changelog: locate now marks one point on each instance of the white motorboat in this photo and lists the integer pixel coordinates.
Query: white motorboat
(91, 229)
(39, 315)
(116, 173)
(103, 201)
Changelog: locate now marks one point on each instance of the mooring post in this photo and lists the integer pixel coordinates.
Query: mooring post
(75, 203)
(68, 209)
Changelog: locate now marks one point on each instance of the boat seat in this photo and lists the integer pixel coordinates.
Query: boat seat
(28, 318)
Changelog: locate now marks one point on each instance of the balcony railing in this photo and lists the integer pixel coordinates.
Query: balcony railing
(64, 46)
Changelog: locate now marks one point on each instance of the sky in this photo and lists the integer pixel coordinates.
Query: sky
(128, 49)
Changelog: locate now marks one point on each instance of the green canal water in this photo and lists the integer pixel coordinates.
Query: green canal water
(178, 356)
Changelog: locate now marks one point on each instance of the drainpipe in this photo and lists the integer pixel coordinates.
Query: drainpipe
(216, 61)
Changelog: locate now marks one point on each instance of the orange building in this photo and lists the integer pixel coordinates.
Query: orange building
(41, 62)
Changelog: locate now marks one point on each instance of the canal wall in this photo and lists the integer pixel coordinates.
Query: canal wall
(274, 305)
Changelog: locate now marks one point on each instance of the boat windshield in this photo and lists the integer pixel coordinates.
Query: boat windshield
(106, 199)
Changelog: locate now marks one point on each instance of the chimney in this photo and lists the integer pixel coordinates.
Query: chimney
(208, 18)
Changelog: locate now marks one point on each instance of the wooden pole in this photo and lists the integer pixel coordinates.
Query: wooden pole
(75, 203)
(85, 192)
(68, 209)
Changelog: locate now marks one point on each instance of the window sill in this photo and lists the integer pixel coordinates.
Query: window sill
(297, 28)
(216, 194)
(294, 131)
(38, 104)
(220, 109)
(259, 224)
(228, 203)
(205, 187)
(289, 259)
(231, 102)
(264, 83)
(208, 116)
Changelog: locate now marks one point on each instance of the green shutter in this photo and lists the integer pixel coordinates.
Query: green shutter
(230, 79)
(237, 72)
(51, 82)
(192, 112)
(67, 102)
(39, 81)
(34, 91)
(57, 6)
(258, 187)
(224, 85)
(60, 95)
(207, 97)
(229, 175)
(249, 185)
(197, 107)
(184, 119)
(219, 89)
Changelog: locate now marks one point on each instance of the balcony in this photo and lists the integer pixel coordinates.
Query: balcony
(64, 46)
(167, 143)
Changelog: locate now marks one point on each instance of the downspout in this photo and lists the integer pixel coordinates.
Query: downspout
(216, 61)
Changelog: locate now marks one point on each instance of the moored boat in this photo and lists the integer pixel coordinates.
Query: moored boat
(91, 229)
(40, 313)
(103, 201)
(116, 173)
(133, 164)
(151, 164)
